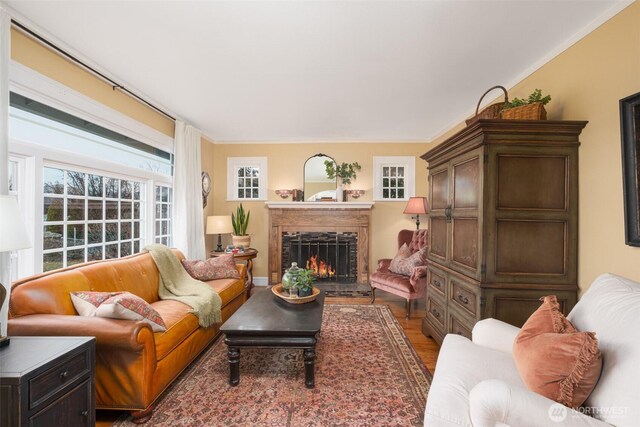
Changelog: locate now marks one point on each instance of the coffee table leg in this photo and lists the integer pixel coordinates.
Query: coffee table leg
(234, 365)
(309, 365)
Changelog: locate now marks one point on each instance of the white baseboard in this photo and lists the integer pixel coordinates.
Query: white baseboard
(261, 281)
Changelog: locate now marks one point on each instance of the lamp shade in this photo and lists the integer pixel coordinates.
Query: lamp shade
(13, 233)
(416, 205)
(219, 224)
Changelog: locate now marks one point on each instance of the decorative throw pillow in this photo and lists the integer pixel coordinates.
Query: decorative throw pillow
(403, 252)
(405, 266)
(86, 303)
(222, 267)
(554, 359)
(117, 305)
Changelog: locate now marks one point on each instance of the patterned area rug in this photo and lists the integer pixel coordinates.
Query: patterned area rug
(367, 374)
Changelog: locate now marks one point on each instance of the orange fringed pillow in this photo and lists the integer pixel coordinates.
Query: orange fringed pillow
(554, 359)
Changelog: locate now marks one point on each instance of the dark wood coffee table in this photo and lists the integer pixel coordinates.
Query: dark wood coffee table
(267, 321)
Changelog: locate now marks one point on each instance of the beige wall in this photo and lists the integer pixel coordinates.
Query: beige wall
(586, 82)
(34, 55)
(285, 172)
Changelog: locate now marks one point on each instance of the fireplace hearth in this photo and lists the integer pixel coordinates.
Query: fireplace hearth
(333, 256)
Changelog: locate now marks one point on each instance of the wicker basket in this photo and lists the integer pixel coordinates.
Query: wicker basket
(533, 111)
(493, 110)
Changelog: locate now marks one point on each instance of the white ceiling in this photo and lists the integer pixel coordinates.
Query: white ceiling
(317, 70)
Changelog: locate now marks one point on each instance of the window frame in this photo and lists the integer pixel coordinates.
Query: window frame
(235, 163)
(409, 164)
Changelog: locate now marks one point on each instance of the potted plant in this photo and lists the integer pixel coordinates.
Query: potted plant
(304, 282)
(240, 222)
(531, 108)
(345, 172)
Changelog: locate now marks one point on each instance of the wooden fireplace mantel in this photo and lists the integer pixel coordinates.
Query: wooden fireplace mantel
(354, 217)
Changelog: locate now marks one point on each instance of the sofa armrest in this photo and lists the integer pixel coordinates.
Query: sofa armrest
(383, 264)
(494, 334)
(495, 402)
(110, 333)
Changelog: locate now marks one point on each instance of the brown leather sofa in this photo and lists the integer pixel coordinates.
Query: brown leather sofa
(133, 364)
(408, 287)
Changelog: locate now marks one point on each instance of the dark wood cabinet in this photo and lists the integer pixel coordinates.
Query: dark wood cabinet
(47, 381)
(503, 222)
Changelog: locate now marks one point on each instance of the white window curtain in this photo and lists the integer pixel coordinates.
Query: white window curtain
(188, 223)
(5, 56)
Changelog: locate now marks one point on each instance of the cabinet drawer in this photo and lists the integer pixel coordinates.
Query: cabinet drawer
(459, 326)
(71, 410)
(437, 281)
(435, 311)
(57, 378)
(464, 296)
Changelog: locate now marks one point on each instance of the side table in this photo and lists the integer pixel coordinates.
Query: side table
(47, 381)
(248, 255)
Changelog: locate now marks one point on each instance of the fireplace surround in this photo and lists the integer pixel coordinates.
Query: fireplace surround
(351, 220)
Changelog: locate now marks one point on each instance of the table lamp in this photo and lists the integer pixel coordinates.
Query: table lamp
(219, 224)
(417, 205)
(13, 236)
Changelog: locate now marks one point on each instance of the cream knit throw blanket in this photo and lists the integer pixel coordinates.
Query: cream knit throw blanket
(176, 284)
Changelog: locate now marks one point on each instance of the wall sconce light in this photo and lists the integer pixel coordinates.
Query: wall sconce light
(284, 193)
(355, 194)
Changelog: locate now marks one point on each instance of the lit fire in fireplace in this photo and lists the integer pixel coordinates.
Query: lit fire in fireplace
(320, 268)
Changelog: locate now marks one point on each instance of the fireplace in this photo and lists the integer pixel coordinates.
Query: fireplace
(343, 225)
(333, 256)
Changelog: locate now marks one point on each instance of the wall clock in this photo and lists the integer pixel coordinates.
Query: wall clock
(206, 188)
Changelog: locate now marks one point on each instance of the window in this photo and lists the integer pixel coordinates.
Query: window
(394, 178)
(88, 217)
(163, 206)
(247, 178)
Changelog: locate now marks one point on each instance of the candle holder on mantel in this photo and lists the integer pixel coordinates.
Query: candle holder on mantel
(354, 194)
(284, 193)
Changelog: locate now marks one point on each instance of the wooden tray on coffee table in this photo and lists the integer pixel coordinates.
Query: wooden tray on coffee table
(280, 292)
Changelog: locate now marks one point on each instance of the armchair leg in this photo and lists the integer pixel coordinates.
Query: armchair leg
(373, 295)
(408, 306)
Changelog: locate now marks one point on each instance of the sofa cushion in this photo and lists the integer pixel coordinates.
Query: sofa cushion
(610, 308)
(222, 267)
(461, 366)
(554, 359)
(392, 280)
(86, 303)
(180, 324)
(228, 289)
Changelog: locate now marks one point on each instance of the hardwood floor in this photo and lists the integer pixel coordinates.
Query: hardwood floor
(426, 348)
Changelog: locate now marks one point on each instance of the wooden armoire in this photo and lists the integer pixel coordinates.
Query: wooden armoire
(503, 222)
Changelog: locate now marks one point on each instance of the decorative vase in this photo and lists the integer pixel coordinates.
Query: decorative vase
(339, 193)
(290, 279)
(241, 241)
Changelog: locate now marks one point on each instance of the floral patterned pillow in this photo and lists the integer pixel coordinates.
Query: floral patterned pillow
(222, 267)
(405, 265)
(117, 305)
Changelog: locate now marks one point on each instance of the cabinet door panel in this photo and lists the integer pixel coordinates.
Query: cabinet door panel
(464, 244)
(466, 183)
(438, 238)
(534, 248)
(439, 189)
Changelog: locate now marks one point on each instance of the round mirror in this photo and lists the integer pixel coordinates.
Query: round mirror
(316, 184)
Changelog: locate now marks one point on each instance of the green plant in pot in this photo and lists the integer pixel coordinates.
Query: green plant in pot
(240, 222)
(345, 172)
(304, 282)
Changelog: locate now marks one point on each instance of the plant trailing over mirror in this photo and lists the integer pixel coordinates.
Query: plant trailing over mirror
(345, 171)
(240, 221)
(536, 96)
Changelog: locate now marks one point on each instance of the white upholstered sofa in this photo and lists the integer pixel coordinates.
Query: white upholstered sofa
(476, 383)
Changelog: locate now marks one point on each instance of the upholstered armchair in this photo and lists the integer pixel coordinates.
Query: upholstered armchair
(411, 286)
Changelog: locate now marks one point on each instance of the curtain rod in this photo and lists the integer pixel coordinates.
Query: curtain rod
(114, 85)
